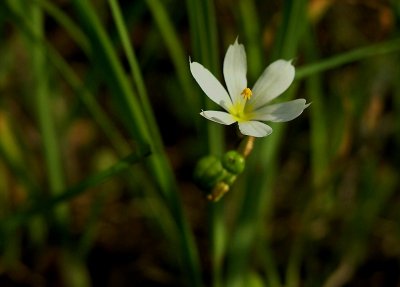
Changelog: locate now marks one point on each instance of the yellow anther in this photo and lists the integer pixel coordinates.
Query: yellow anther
(246, 93)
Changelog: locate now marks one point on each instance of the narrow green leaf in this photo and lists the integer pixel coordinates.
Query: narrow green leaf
(179, 58)
(348, 57)
(64, 21)
(105, 56)
(46, 119)
(107, 60)
(46, 204)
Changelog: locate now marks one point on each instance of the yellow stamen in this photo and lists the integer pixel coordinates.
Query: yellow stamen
(246, 93)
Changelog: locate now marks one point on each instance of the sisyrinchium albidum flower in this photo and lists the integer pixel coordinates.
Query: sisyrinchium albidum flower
(249, 107)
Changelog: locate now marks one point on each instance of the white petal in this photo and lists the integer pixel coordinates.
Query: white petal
(281, 112)
(255, 129)
(218, 117)
(210, 85)
(275, 79)
(235, 69)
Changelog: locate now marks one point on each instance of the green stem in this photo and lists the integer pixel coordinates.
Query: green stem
(269, 264)
(319, 130)
(204, 35)
(44, 112)
(250, 21)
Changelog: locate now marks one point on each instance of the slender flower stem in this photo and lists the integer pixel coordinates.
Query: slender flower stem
(246, 146)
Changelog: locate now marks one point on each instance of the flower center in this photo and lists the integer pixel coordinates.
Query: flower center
(237, 110)
(246, 93)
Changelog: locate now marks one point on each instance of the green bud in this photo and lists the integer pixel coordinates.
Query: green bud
(233, 162)
(208, 172)
(215, 176)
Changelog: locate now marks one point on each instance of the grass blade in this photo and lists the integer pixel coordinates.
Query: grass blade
(44, 112)
(90, 182)
(107, 59)
(179, 57)
(349, 57)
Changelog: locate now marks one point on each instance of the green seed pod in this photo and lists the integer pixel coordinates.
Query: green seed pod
(233, 162)
(209, 172)
(215, 176)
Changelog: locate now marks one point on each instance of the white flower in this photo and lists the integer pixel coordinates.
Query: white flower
(247, 106)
